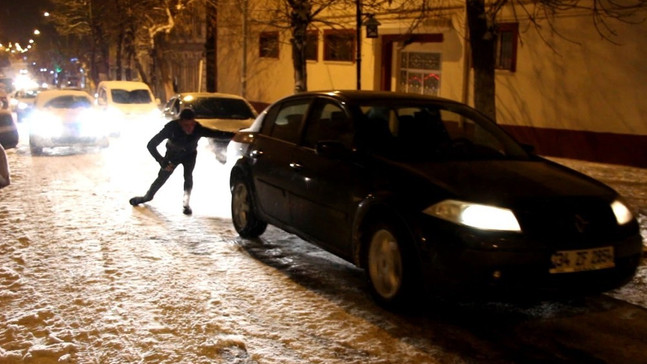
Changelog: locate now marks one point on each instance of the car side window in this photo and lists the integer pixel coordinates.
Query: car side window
(288, 121)
(328, 122)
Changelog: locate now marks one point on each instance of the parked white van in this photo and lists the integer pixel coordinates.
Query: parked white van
(128, 104)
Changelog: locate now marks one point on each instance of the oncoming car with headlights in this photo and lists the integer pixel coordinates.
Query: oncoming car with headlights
(129, 107)
(65, 118)
(427, 194)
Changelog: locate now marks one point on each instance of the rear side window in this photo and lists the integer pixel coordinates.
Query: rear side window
(285, 122)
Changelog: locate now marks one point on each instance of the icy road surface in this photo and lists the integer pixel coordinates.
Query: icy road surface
(86, 278)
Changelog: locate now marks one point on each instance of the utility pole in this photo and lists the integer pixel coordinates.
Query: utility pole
(358, 36)
(243, 72)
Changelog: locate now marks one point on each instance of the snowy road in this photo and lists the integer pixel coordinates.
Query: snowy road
(86, 278)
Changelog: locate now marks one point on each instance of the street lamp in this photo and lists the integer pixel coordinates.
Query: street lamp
(371, 26)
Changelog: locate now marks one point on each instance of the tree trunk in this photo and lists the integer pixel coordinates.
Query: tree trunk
(299, 61)
(482, 42)
(300, 19)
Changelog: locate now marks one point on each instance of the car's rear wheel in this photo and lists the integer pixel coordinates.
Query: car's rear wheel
(243, 215)
(390, 271)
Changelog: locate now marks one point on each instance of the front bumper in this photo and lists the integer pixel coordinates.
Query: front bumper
(467, 262)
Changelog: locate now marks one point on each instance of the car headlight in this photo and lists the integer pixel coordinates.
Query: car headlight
(45, 124)
(484, 217)
(622, 213)
(91, 123)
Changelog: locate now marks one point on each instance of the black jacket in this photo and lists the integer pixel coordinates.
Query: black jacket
(179, 144)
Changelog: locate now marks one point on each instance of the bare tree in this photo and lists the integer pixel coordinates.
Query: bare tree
(81, 21)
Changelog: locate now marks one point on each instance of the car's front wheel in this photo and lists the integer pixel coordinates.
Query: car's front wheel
(35, 149)
(243, 215)
(390, 270)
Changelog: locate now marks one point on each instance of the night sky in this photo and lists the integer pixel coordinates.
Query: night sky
(19, 18)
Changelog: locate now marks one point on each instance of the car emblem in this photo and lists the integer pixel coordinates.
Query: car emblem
(581, 224)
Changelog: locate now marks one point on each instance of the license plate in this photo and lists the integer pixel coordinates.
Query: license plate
(569, 261)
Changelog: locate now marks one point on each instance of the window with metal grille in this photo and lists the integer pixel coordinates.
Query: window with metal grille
(339, 45)
(269, 45)
(506, 46)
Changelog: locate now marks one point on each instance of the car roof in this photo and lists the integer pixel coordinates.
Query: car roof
(44, 96)
(366, 95)
(125, 85)
(210, 94)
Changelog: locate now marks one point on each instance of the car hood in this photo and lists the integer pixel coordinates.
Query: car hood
(230, 125)
(506, 182)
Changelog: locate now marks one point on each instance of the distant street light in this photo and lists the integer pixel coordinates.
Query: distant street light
(36, 32)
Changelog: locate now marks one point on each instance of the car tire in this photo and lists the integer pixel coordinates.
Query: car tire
(243, 214)
(390, 271)
(35, 149)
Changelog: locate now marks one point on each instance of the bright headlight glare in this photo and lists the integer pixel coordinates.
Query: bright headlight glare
(45, 124)
(478, 216)
(622, 212)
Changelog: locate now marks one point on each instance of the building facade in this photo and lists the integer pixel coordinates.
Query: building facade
(563, 88)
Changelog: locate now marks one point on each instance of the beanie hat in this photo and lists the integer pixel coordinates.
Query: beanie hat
(187, 114)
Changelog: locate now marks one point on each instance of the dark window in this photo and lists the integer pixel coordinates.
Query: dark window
(289, 118)
(131, 97)
(312, 45)
(328, 122)
(69, 102)
(506, 46)
(339, 45)
(269, 45)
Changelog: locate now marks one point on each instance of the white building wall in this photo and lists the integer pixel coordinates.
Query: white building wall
(583, 82)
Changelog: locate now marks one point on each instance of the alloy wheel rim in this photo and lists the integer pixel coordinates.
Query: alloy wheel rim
(385, 263)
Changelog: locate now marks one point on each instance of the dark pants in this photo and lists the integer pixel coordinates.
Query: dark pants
(187, 162)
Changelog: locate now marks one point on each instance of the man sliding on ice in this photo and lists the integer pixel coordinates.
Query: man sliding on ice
(182, 137)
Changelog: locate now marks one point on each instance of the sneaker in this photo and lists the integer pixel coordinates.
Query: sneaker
(137, 200)
(187, 210)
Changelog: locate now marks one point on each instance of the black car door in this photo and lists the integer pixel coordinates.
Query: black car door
(271, 157)
(321, 191)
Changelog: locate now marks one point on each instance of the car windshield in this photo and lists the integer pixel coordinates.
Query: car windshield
(220, 108)
(131, 97)
(68, 102)
(418, 131)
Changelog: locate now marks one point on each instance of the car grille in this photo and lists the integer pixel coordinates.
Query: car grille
(571, 219)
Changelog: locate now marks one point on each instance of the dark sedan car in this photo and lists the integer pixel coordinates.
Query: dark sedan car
(424, 192)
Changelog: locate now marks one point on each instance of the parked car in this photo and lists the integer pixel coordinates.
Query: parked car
(65, 118)
(8, 131)
(128, 106)
(424, 192)
(221, 111)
